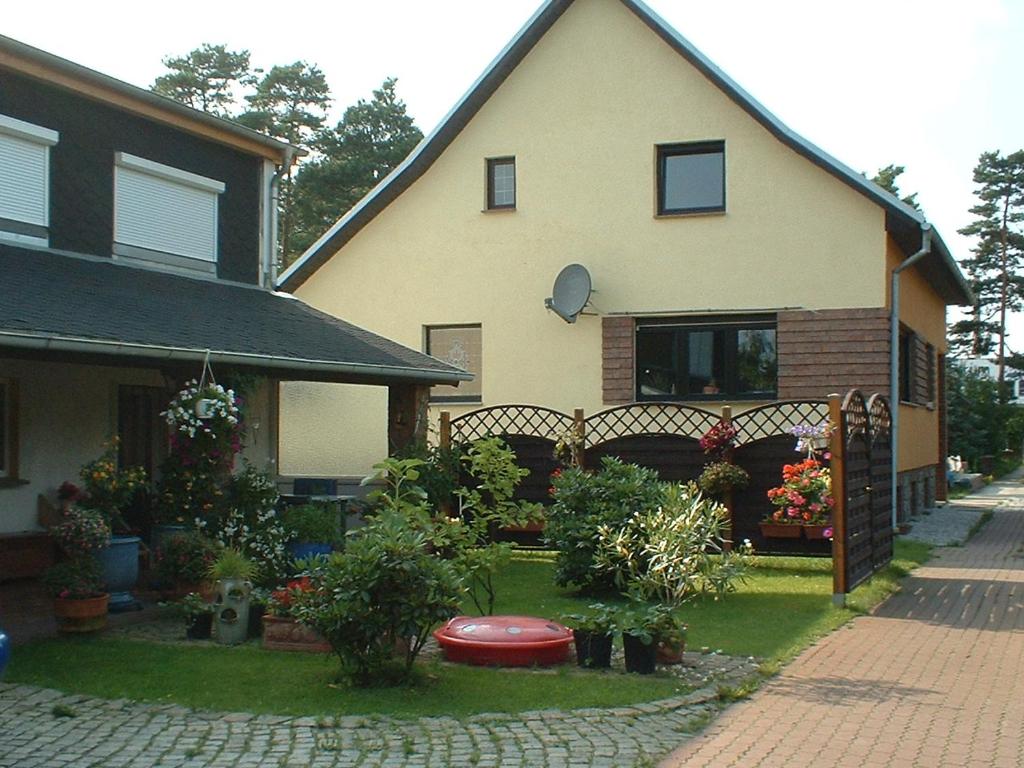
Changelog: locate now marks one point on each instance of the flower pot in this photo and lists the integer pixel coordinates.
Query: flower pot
(256, 611)
(593, 649)
(231, 611)
(200, 626)
(640, 656)
(85, 615)
(815, 532)
(667, 653)
(5, 653)
(119, 563)
(780, 530)
(283, 633)
(300, 550)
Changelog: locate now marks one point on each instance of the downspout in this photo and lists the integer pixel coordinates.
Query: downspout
(894, 356)
(275, 187)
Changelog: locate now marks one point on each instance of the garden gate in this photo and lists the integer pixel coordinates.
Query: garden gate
(862, 486)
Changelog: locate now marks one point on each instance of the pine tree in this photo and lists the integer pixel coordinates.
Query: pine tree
(204, 78)
(886, 179)
(998, 255)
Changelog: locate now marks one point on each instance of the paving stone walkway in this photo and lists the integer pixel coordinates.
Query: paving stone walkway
(934, 678)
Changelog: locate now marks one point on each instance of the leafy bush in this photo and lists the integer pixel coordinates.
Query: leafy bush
(75, 579)
(672, 551)
(316, 522)
(720, 477)
(585, 501)
(384, 589)
(185, 557)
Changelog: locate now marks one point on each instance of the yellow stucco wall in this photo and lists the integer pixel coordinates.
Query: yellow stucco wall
(582, 115)
(924, 312)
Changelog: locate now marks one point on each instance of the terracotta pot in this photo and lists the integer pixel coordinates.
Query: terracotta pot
(281, 633)
(815, 531)
(780, 530)
(88, 615)
(670, 654)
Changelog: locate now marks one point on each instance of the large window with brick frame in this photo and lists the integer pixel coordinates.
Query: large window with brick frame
(706, 358)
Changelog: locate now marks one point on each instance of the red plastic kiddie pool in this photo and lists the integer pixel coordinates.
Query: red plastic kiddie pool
(504, 641)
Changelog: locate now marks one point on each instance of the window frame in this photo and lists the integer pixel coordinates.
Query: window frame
(9, 413)
(137, 251)
(457, 398)
(17, 230)
(682, 327)
(491, 164)
(681, 149)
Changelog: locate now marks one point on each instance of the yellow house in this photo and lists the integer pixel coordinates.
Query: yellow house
(731, 260)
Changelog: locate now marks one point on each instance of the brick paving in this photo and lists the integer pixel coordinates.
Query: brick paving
(934, 678)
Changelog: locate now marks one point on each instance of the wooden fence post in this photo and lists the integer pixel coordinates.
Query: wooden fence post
(579, 428)
(837, 447)
(445, 430)
(727, 418)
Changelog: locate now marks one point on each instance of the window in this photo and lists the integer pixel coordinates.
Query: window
(459, 345)
(25, 180)
(164, 214)
(501, 183)
(929, 385)
(691, 177)
(706, 359)
(906, 365)
(8, 429)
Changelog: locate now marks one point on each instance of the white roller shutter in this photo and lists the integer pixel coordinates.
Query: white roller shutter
(24, 171)
(164, 209)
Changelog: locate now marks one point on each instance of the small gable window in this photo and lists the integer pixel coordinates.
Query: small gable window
(691, 177)
(25, 180)
(165, 215)
(501, 183)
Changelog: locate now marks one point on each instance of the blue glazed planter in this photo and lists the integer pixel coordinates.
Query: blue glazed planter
(300, 550)
(120, 567)
(5, 653)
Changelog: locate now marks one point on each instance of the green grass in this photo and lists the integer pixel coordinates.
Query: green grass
(780, 609)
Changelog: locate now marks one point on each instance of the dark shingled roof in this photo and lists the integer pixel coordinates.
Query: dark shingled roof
(81, 304)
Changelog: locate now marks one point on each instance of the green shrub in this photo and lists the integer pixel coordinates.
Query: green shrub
(185, 557)
(672, 551)
(313, 523)
(384, 589)
(583, 502)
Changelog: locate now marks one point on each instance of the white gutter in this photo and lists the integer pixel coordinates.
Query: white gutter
(128, 349)
(894, 356)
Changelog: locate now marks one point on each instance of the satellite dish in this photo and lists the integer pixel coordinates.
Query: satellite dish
(571, 292)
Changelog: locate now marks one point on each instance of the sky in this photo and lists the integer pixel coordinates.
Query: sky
(927, 84)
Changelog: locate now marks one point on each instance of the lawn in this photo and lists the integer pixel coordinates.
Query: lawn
(781, 608)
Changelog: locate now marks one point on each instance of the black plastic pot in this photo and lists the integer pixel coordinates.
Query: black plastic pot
(256, 611)
(200, 626)
(640, 656)
(593, 649)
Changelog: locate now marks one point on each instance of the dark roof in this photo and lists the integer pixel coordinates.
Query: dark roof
(88, 305)
(906, 223)
(16, 48)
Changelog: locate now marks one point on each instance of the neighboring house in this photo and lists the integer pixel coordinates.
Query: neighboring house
(990, 370)
(732, 261)
(136, 239)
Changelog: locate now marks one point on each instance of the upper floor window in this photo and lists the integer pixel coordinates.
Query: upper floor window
(501, 183)
(691, 177)
(462, 346)
(25, 180)
(164, 214)
(706, 358)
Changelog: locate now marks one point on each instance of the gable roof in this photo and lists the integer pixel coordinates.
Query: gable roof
(906, 224)
(73, 304)
(37, 63)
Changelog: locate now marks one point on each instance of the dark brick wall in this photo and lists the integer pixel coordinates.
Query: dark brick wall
(82, 171)
(617, 364)
(833, 350)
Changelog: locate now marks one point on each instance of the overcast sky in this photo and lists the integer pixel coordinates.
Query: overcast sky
(928, 84)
